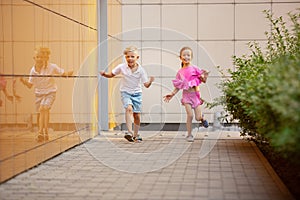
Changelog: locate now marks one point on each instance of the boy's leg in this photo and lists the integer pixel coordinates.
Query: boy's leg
(137, 123)
(127, 104)
(45, 107)
(40, 125)
(38, 120)
(42, 119)
(46, 122)
(128, 118)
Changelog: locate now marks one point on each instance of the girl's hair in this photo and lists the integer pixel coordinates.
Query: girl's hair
(130, 49)
(183, 49)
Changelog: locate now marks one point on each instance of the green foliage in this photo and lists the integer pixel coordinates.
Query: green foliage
(264, 92)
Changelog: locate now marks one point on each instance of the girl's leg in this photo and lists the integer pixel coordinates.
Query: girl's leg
(199, 117)
(128, 116)
(137, 123)
(198, 113)
(189, 118)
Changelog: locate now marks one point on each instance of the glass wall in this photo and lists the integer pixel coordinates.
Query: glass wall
(68, 28)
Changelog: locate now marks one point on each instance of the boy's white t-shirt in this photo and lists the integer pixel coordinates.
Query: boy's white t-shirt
(131, 82)
(46, 84)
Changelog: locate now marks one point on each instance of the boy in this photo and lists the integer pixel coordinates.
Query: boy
(45, 87)
(134, 76)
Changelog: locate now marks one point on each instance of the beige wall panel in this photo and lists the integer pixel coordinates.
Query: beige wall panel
(216, 1)
(170, 56)
(171, 19)
(178, 1)
(250, 22)
(253, 1)
(151, 22)
(283, 10)
(151, 16)
(125, 44)
(131, 1)
(215, 22)
(150, 57)
(221, 53)
(296, 1)
(131, 21)
(152, 96)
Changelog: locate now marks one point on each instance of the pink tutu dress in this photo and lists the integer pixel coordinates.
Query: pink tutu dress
(188, 77)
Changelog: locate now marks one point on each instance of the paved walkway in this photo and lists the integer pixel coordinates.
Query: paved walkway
(217, 165)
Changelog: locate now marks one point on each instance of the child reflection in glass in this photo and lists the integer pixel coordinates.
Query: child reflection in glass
(41, 77)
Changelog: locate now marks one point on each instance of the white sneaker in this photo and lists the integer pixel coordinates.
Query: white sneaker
(190, 138)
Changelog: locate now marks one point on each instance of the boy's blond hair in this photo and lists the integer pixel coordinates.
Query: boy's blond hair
(45, 51)
(131, 49)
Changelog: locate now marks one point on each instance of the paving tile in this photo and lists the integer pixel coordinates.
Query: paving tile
(161, 167)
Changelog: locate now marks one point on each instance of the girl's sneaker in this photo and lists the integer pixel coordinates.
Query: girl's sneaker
(190, 138)
(205, 123)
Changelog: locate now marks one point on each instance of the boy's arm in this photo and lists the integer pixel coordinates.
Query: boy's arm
(69, 73)
(9, 97)
(106, 75)
(26, 82)
(148, 84)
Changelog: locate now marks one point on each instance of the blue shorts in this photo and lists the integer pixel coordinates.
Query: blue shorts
(45, 100)
(132, 99)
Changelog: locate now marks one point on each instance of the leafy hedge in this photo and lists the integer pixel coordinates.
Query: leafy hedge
(263, 94)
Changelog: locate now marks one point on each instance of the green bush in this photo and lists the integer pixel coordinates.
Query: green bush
(263, 94)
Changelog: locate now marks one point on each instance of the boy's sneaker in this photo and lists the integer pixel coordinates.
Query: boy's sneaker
(190, 138)
(40, 137)
(205, 123)
(46, 137)
(128, 137)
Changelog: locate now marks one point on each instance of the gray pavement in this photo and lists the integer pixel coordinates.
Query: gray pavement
(217, 165)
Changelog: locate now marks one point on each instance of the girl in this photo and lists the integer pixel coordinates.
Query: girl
(188, 78)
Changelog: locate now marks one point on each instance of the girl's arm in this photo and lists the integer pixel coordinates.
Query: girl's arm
(168, 97)
(203, 76)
